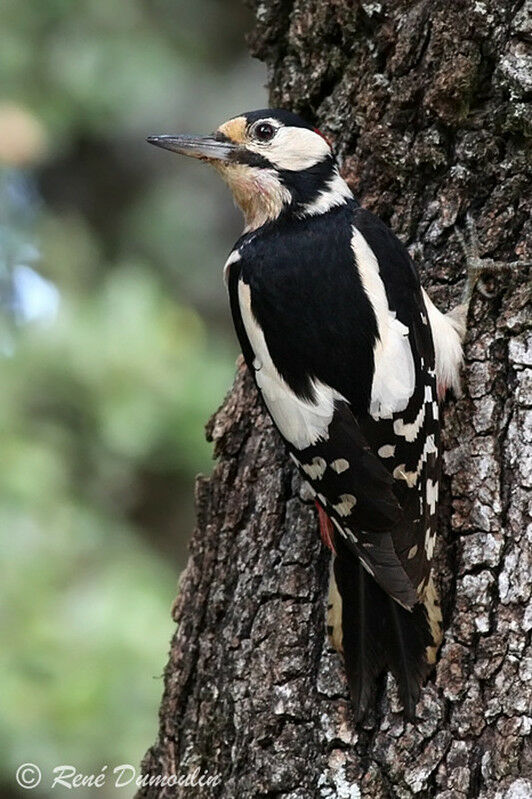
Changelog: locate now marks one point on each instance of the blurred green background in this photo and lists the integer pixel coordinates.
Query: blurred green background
(115, 348)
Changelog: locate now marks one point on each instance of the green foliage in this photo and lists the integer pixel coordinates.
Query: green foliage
(121, 382)
(86, 623)
(98, 66)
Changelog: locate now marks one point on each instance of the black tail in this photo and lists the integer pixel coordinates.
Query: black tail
(377, 633)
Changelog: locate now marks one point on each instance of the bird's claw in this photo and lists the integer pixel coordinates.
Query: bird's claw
(471, 248)
(479, 269)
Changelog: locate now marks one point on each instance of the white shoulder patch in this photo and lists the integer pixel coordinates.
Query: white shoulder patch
(446, 334)
(302, 423)
(233, 258)
(394, 377)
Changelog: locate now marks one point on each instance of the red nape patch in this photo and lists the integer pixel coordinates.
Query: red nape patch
(323, 136)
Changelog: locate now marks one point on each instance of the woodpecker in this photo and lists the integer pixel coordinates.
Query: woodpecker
(352, 360)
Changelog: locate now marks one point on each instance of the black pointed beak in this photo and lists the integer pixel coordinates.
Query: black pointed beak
(203, 147)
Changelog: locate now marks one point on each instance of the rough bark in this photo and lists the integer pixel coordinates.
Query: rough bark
(426, 104)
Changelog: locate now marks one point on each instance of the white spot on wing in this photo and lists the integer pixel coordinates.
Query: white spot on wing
(399, 472)
(386, 451)
(315, 469)
(412, 552)
(430, 540)
(340, 465)
(410, 430)
(432, 496)
(411, 478)
(430, 446)
(344, 507)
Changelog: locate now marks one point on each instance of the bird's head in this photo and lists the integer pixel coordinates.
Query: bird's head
(273, 161)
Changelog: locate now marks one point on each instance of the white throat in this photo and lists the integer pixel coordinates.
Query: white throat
(258, 192)
(262, 197)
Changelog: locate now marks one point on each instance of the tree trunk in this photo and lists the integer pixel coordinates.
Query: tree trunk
(426, 105)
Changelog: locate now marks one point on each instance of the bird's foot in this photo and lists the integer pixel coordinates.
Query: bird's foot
(479, 270)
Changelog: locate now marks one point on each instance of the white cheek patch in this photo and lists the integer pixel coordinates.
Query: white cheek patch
(293, 149)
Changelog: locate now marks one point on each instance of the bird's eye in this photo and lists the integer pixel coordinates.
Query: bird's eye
(264, 131)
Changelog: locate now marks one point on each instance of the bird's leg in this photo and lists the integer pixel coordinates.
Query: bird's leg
(326, 528)
(476, 269)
